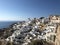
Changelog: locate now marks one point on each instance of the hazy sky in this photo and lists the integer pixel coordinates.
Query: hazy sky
(23, 9)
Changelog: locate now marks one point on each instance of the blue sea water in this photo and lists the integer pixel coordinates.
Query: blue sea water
(5, 24)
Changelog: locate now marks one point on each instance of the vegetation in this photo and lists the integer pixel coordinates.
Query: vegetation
(40, 42)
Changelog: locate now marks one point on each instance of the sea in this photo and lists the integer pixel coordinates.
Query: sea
(6, 24)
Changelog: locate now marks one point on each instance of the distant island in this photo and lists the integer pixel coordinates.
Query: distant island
(36, 31)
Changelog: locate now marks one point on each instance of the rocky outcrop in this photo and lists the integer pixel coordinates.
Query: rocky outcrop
(57, 41)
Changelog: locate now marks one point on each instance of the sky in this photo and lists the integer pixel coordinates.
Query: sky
(15, 10)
